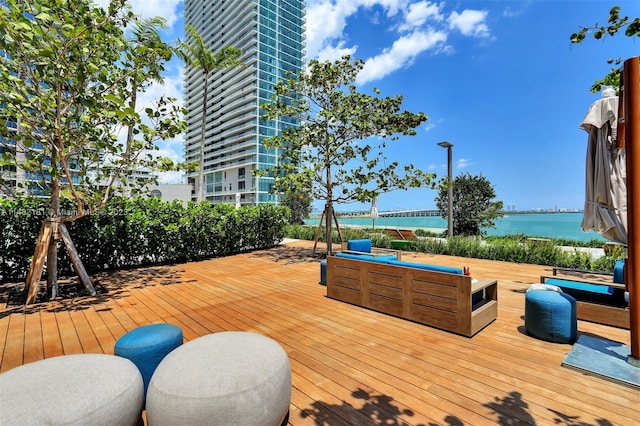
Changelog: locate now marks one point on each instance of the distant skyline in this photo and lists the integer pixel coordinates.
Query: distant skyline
(498, 79)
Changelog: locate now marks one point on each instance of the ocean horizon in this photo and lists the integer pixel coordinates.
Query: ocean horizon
(561, 225)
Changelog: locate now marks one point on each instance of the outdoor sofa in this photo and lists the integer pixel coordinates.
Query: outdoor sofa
(437, 296)
(597, 301)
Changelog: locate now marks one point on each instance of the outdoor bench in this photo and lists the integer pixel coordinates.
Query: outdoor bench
(433, 295)
(599, 302)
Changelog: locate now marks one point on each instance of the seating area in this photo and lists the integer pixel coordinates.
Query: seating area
(348, 365)
(434, 295)
(221, 379)
(601, 302)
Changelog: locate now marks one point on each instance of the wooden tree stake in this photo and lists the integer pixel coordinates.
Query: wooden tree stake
(37, 263)
(75, 260)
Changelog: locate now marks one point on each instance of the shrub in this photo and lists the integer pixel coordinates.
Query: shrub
(511, 248)
(141, 231)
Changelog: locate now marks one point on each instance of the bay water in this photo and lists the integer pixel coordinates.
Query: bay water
(543, 225)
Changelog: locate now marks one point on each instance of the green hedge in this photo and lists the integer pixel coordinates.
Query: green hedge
(139, 232)
(510, 249)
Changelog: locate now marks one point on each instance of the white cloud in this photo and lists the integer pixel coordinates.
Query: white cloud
(463, 163)
(400, 55)
(470, 23)
(152, 8)
(333, 53)
(327, 20)
(419, 26)
(170, 87)
(418, 13)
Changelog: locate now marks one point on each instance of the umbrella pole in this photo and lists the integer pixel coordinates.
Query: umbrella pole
(632, 145)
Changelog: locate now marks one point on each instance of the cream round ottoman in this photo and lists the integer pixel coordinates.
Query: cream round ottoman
(227, 379)
(85, 389)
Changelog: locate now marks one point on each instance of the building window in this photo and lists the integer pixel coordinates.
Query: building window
(241, 173)
(241, 185)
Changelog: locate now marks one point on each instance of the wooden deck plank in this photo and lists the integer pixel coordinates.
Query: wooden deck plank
(113, 324)
(33, 344)
(101, 331)
(84, 334)
(51, 339)
(349, 365)
(14, 346)
(4, 330)
(70, 337)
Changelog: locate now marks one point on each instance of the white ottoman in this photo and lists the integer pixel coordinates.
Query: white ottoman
(227, 379)
(85, 389)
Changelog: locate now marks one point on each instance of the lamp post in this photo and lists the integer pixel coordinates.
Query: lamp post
(448, 146)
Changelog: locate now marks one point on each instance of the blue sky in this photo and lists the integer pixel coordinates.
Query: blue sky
(498, 79)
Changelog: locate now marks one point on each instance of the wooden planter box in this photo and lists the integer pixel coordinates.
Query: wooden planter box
(436, 299)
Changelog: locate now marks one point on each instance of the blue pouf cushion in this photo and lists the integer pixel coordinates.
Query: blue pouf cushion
(551, 316)
(323, 272)
(146, 346)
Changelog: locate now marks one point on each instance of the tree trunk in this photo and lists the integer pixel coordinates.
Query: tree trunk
(201, 192)
(328, 219)
(329, 206)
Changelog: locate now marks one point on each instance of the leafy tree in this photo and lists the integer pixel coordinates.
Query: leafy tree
(473, 207)
(336, 153)
(69, 76)
(299, 204)
(196, 54)
(615, 24)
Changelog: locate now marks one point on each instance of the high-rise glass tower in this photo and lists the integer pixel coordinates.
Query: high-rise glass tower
(270, 34)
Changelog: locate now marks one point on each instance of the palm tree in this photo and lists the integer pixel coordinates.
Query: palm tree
(196, 54)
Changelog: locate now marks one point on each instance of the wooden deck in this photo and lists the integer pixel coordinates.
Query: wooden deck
(350, 366)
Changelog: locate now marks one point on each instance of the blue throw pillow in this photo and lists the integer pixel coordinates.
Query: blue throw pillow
(359, 245)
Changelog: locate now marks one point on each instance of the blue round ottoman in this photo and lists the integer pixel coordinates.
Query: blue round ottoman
(146, 346)
(550, 315)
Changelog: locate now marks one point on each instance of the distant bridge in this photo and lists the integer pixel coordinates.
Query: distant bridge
(410, 213)
(396, 213)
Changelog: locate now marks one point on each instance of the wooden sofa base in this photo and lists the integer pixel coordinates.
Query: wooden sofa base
(603, 314)
(436, 299)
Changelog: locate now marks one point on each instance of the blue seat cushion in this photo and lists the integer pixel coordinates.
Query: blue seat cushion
(594, 293)
(435, 268)
(363, 245)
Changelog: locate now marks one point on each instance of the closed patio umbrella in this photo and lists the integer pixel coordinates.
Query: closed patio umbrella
(605, 206)
(374, 211)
